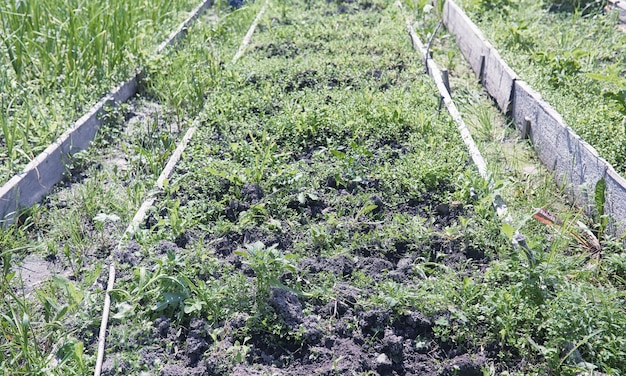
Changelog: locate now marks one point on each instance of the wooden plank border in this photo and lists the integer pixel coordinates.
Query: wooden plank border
(576, 164)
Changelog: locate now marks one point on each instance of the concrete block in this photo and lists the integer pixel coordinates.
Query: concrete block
(548, 133)
(524, 101)
(469, 38)
(498, 79)
(587, 169)
(550, 137)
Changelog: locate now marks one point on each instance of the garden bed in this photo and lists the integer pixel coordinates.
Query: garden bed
(45, 170)
(62, 57)
(328, 226)
(580, 77)
(326, 218)
(590, 181)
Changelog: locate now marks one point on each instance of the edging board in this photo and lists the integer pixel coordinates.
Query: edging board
(576, 164)
(498, 79)
(181, 31)
(48, 168)
(620, 5)
(470, 39)
(493, 72)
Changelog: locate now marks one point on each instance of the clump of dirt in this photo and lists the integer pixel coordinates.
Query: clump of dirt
(286, 304)
(306, 79)
(325, 335)
(252, 193)
(235, 208)
(287, 49)
(340, 266)
(130, 254)
(316, 335)
(309, 205)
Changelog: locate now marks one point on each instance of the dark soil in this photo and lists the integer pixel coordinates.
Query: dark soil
(330, 336)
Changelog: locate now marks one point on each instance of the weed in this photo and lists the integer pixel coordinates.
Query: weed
(269, 265)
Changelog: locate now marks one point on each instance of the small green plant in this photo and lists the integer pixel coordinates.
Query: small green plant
(113, 116)
(102, 219)
(264, 154)
(238, 352)
(269, 265)
(617, 86)
(561, 67)
(518, 37)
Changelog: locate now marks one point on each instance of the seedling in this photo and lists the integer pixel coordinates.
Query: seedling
(269, 265)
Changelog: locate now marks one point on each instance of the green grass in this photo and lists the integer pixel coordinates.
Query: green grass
(62, 57)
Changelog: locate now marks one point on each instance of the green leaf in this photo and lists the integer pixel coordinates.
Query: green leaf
(193, 305)
(337, 153)
(367, 209)
(391, 301)
(508, 230)
(170, 299)
(124, 310)
(612, 79)
(600, 196)
(79, 349)
(302, 198)
(579, 52)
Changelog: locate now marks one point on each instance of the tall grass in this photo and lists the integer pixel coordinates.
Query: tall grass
(59, 57)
